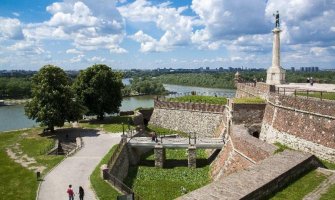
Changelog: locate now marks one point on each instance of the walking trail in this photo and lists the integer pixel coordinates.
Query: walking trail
(76, 170)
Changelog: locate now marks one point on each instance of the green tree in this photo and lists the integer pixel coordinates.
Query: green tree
(100, 90)
(53, 100)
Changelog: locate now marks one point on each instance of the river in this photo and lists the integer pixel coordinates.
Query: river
(12, 117)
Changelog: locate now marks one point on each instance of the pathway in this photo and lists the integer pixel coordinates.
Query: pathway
(77, 169)
(323, 187)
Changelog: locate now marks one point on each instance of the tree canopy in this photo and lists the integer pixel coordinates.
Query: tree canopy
(53, 100)
(100, 90)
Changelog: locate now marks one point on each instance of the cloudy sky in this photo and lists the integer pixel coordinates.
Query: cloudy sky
(177, 33)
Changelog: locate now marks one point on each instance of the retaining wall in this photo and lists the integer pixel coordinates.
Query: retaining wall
(203, 119)
(258, 89)
(301, 123)
(248, 113)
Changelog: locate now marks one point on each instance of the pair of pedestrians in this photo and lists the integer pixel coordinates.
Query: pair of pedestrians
(71, 193)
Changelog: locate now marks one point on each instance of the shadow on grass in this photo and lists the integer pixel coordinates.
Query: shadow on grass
(109, 120)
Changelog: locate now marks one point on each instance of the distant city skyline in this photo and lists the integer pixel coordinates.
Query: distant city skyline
(143, 34)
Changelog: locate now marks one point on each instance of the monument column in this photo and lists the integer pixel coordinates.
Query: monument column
(276, 74)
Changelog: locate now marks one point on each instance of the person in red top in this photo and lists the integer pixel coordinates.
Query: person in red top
(70, 193)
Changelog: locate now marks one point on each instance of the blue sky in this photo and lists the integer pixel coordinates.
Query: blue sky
(147, 34)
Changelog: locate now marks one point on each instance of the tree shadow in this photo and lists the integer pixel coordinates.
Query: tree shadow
(70, 134)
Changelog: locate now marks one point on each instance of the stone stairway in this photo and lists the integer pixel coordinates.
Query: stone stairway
(260, 180)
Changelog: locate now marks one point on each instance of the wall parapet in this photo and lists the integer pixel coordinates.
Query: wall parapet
(190, 106)
(258, 89)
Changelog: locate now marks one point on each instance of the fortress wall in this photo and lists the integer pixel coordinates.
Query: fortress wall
(206, 120)
(188, 121)
(302, 124)
(241, 151)
(121, 166)
(248, 113)
(258, 89)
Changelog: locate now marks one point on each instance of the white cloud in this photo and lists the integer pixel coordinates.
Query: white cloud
(73, 51)
(11, 29)
(177, 27)
(16, 14)
(96, 59)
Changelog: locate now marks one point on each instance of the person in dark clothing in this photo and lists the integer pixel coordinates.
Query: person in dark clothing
(81, 193)
(70, 193)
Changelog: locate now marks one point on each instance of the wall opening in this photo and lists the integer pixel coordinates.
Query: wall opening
(255, 134)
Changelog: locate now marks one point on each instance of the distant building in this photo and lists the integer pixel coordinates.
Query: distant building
(292, 69)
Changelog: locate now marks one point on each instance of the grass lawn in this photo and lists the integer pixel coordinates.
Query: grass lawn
(325, 95)
(110, 124)
(103, 190)
(200, 99)
(329, 165)
(330, 193)
(171, 182)
(164, 131)
(255, 100)
(18, 182)
(301, 187)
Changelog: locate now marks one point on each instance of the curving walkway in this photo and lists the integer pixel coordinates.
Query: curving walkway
(77, 169)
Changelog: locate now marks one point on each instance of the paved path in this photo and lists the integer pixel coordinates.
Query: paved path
(307, 86)
(77, 169)
(323, 187)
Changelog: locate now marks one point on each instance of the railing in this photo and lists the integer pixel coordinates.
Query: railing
(305, 93)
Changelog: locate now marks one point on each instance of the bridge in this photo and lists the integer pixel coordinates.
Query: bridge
(177, 143)
(162, 143)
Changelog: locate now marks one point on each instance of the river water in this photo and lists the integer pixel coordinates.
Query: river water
(12, 117)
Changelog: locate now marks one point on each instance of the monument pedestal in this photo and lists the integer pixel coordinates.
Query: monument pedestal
(275, 75)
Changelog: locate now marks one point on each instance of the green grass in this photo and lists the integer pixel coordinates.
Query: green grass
(164, 131)
(18, 182)
(325, 95)
(327, 164)
(301, 187)
(150, 182)
(103, 190)
(255, 100)
(200, 99)
(330, 194)
(110, 124)
(281, 147)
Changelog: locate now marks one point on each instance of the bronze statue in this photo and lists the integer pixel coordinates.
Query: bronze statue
(277, 19)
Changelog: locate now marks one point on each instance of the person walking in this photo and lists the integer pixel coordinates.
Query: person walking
(81, 193)
(70, 192)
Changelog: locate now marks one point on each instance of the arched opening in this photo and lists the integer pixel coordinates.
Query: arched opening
(255, 134)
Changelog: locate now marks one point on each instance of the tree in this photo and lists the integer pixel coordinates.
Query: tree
(53, 100)
(100, 90)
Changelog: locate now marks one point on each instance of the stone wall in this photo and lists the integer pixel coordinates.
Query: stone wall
(302, 124)
(121, 166)
(188, 121)
(258, 89)
(241, 151)
(248, 113)
(202, 107)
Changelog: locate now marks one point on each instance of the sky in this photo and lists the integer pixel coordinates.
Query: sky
(145, 34)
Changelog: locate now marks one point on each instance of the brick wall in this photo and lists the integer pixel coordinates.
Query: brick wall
(302, 124)
(259, 89)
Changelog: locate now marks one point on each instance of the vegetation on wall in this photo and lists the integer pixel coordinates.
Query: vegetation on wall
(200, 99)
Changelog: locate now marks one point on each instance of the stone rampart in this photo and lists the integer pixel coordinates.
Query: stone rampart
(258, 89)
(203, 119)
(301, 123)
(202, 107)
(121, 165)
(247, 113)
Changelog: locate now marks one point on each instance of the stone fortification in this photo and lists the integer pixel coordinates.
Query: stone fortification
(301, 123)
(259, 181)
(202, 119)
(259, 89)
(247, 113)
(241, 151)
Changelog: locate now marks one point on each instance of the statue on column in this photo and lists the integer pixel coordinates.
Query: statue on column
(276, 15)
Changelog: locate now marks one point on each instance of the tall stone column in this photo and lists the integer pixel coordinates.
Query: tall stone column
(275, 74)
